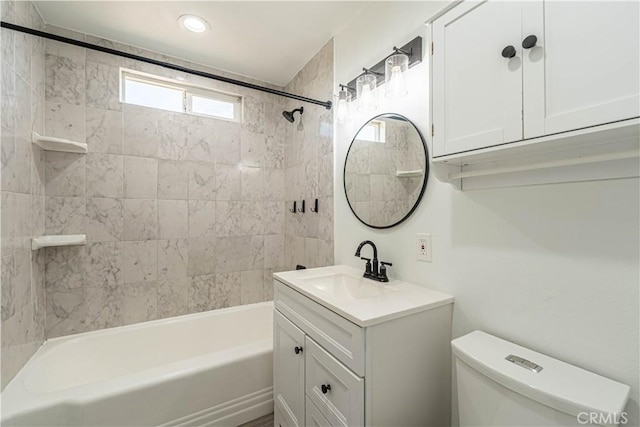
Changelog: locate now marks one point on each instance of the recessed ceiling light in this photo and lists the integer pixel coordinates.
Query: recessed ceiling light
(193, 23)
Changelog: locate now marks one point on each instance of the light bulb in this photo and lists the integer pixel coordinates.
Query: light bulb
(193, 23)
(342, 113)
(397, 87)
(366, 100)
(365, 84)
(395, 66)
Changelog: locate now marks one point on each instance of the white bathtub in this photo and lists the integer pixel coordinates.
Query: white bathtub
(211, 368)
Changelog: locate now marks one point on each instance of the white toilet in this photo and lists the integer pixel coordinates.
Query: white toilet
(502, 384)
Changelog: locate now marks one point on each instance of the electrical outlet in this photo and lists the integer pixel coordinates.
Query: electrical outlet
(423, 247)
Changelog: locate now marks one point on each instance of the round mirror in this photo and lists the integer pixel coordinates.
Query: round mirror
(386, 171)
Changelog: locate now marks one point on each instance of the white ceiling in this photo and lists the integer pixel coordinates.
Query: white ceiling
(267, 40)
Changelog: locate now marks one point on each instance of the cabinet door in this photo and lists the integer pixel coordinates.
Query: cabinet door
(477, 93)
(584, 68)
(288, 372)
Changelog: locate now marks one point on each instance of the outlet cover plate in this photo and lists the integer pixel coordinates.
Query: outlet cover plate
(423, 247)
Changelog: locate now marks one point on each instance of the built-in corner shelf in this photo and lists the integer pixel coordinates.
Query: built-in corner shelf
(50, 143)
(608, 151)
(66, 240)
(409, 174)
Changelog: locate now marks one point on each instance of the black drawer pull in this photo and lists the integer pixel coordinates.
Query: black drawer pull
(298, 350)
(325, 388)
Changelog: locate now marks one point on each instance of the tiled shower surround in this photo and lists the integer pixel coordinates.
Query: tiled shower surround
(22, 184)
(182, 213)
(308, 163)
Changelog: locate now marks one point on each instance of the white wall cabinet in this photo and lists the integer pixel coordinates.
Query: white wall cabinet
(506, 75)
(477, 94)
(584, 69)
(393, 373)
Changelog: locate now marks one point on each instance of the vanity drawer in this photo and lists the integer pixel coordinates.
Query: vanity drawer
(313, 416)
(343, 339)
(342, 401)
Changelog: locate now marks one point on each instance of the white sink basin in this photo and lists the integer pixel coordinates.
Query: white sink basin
(365, 302)
(346, 287)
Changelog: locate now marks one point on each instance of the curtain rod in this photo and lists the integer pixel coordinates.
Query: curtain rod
(3, 24)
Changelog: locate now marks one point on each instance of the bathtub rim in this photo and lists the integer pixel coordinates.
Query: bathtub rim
(20, 401)
(149, 323)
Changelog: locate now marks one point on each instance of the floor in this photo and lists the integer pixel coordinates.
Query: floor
(266, 421)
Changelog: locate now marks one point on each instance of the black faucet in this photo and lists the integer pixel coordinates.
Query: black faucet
(371, 271)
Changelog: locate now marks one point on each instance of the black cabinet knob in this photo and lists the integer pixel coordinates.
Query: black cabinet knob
(529, 41)
(325, 388)
(298, 350)
(509, 52)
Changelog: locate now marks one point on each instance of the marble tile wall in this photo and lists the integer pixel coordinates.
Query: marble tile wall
(22, 189)
(308, 162)
(182, 213)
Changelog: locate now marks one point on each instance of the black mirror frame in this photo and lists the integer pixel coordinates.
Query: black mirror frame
(424, 183)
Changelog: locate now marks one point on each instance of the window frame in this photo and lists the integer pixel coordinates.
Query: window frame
(187, 89)
(379, 131)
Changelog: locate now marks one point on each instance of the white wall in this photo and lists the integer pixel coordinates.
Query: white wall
(554, 267)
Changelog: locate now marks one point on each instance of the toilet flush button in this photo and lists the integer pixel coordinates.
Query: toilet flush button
(524, 363)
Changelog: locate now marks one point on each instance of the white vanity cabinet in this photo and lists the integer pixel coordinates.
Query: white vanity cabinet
(526, 85)
(582, 71)
(288, 371)
(330, 371)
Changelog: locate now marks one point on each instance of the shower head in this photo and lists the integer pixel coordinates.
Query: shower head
(289, 114)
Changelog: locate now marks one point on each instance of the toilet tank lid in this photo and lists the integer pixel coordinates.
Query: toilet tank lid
(559, 385)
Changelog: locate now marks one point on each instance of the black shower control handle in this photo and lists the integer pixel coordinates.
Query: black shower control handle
(383, 271)
(367, 268)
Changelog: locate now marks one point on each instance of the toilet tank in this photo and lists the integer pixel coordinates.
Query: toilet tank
(503, 384)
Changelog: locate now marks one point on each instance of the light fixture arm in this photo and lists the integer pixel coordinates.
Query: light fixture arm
(343, 87)
(397, 50)
(413, 50)
(370, 71)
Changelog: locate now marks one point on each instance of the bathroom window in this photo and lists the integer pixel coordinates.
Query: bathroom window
(173, 95)
(374, 131)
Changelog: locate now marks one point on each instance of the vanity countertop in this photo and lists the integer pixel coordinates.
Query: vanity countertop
(365, 302)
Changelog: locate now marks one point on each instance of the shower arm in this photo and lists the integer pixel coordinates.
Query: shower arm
(43, 34)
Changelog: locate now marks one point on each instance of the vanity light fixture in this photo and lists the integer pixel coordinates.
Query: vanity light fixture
(365, 84)
(344, 98)
(194, 23)
(390, 70)
(394, 67)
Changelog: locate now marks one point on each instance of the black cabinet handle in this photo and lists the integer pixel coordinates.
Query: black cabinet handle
(529, 41)
(509, 52)
(325, 388)
(298, 350)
